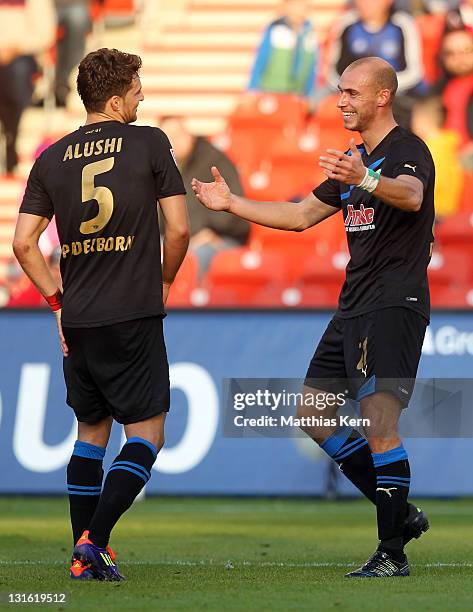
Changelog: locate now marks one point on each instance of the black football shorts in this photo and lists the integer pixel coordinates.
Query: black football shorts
(374, 352)
(118, 370)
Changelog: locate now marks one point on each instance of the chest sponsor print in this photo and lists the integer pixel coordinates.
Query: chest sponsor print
(359, 219)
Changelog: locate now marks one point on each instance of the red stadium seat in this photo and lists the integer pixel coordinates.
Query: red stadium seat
(297, 297)
(455, 231)
(448, 268)
(297, 247)
(236, 275)
(265, 183)
(255, 110)
(322, 296)
(334, 138)
(285, 181)
(328, 113)
(269, 297)
(219, 297)
(185, 283)
(258, 121)
(242, 147)
(321, 279)
(277, 297)
(328, 124)
(328, 268)
(451, 297)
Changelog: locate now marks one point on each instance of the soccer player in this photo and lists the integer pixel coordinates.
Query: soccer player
(385, 188)
(102, 183)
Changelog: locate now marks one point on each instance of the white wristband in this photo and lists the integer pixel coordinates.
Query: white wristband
(370, 180)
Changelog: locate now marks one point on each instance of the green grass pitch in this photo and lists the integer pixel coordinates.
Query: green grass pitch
(239, 554)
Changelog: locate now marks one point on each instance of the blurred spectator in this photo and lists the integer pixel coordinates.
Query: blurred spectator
(456, 85)
(460, 17)
(419, 6)
(287, 56)
(437, 7)
(428, 118)
(211, 232)
(28, 28)
(374, 28)
(73, 18)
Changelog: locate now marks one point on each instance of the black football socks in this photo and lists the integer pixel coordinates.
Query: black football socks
(351, 451)
(393, 477)
(383, 478)
(84, 484)
(127, 475)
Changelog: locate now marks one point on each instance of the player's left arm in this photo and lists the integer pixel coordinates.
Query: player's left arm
(175, 238)
(405, 192)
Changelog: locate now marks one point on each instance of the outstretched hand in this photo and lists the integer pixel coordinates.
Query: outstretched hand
(216, 195)
(348, 169)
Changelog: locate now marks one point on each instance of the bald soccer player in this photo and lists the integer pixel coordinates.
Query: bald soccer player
(372, 346)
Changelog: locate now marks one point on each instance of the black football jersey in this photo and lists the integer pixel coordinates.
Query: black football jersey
(390, 249)
(102, 183)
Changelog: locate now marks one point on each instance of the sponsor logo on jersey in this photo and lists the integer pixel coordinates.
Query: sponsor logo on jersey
(358, 220)
(97, 245)
(413, 168)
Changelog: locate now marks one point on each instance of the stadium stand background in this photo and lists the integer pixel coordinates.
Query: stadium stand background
(197, 57)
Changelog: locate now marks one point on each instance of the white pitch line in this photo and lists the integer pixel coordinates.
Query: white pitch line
(208, 563)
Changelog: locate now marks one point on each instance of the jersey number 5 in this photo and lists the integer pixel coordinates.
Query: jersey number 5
(103, 195)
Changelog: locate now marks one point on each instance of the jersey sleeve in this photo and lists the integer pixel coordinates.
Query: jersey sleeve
(329, 193)
(36, 200)
(412, 158)
(167, 178)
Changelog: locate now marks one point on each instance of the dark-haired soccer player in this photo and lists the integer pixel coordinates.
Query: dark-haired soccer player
(385, 188)
(102, 183)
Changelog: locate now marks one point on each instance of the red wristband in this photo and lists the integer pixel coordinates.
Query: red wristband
(55, 301)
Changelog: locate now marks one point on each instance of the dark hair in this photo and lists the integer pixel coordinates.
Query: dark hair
(105, 73)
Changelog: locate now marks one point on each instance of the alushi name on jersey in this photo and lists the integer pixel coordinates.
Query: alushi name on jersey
(93, 147)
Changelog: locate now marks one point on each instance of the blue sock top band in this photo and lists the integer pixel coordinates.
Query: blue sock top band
(335, 442)
(390, 456)
(137, 440)
(89, 451)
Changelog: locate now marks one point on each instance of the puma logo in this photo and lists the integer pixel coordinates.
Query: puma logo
(388, 491)
(413, 168)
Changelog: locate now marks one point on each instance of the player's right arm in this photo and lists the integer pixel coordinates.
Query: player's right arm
(289, 216)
